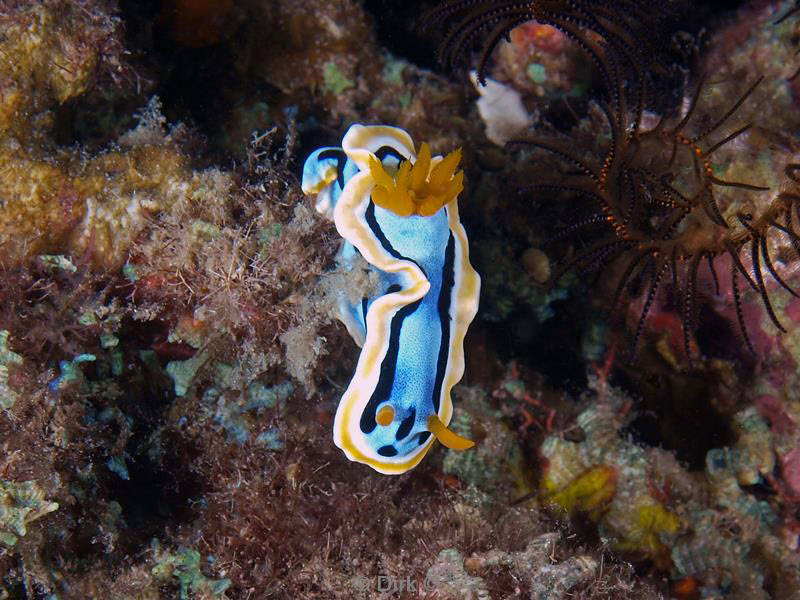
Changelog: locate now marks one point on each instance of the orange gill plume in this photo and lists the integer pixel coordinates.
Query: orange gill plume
(420, 188)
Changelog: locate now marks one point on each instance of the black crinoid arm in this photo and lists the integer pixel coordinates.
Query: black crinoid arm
(653, 216)
(657, 192)
(631, 35)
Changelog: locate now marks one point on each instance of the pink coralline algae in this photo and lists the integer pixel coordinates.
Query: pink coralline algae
(790, 468)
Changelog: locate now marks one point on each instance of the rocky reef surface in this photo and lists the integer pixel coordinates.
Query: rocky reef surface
(171, 358)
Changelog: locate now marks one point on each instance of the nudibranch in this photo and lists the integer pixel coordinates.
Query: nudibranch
(398, 209)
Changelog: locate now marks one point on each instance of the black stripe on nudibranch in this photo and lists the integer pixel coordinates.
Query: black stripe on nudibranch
(365, 301)
(341, 161)
(387, 450)
(386, 378)
(406, 425)
(385, 151)
(443, 308)
(372, 222)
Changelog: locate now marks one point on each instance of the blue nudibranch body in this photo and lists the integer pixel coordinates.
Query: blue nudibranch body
(412, 333)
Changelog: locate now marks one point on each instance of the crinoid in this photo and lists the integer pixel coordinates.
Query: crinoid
(627, 35)
(657, 190)
(788, 13)
(667, 213)
(792, 11)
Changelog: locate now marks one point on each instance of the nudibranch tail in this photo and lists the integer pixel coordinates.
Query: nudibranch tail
(399, 211)
(446, 436)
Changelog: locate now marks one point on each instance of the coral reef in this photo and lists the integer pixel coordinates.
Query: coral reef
(497, 465)
(608, 479)
(184, 565)
(531, 566)
(57, 199)
(171, 359)
(22, 503)
(540, 571)
(712, 529)
(9, 360)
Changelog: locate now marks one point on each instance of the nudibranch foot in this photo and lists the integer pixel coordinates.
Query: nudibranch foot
(398, 210)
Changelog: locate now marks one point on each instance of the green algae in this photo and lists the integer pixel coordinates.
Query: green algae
(8, 358)
(20, 504)
(184, 566)
(335, 81)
